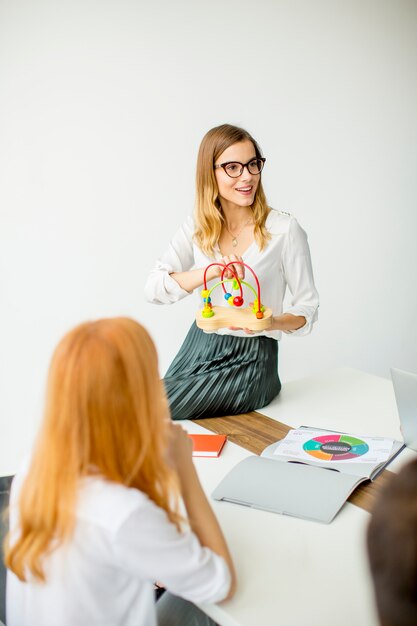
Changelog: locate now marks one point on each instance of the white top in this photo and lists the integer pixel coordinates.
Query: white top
(122, 544)
(285, 261)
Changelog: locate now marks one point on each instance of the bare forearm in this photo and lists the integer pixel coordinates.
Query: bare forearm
(287, 321)
(203, 522)
(193, 278)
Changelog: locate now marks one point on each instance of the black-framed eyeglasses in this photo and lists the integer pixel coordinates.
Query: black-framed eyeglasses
(234, 169)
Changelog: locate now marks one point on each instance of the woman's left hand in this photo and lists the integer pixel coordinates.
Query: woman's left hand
(246, 330)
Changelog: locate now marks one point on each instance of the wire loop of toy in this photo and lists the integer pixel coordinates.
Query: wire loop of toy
(239, 282)
(231, 280)
(225, 267)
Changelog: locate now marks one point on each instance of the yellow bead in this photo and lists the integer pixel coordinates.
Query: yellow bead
(205, 293)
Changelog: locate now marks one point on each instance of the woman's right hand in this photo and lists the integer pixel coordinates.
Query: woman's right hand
(193, 279)
(180, 448)
(238, 269)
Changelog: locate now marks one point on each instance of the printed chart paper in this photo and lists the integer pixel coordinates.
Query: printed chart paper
(309, 446)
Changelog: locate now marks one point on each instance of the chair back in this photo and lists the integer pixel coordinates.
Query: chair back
(5, 483)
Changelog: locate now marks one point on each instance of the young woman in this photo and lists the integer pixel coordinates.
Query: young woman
(94, 517)
(233, 370)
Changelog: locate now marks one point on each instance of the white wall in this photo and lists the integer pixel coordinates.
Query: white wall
(103, 105)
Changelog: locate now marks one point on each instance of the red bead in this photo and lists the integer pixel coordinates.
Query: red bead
(259, 315)
(237, 301)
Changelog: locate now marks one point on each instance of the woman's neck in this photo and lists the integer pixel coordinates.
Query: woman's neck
(236, 216)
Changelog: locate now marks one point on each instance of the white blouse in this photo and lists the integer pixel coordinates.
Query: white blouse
(284, 262)
(122, 543)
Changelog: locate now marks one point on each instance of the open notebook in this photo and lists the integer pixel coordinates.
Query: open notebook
(309, 474)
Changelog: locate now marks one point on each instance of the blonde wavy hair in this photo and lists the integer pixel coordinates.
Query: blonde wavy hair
(106, 413)
(209, 216)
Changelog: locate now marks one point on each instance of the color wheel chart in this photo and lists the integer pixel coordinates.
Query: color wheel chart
(335, 447)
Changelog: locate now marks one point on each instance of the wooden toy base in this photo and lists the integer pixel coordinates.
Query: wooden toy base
(232, 316)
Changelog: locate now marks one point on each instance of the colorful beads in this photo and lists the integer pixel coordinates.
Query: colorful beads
(207, 310)
(255, 307)
(235, 284)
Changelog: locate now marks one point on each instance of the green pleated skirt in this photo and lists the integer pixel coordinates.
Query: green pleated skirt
(215, 375)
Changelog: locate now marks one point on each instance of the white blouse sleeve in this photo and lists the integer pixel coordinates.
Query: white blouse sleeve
(160, 287)
(298, 273)
(149, 546)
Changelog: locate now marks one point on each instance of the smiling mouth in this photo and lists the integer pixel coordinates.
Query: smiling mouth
(244, 189)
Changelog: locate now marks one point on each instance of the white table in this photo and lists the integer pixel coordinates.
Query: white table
(293, 572)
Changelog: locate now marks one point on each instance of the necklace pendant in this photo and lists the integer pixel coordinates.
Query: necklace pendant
(234, 242)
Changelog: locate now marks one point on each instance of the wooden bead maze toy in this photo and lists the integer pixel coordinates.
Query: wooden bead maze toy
(255, 317)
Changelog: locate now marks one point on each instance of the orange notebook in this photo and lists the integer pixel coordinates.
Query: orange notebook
(207, 445)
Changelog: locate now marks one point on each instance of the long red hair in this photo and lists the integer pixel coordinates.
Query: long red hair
(105, 412)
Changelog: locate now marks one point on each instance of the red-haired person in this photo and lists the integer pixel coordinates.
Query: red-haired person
(94, 516)
(392, 549)
(233, 370)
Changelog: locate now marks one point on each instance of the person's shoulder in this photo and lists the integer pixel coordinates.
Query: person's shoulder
(189, 223)
(107, 503)
(278, 221)
(187, 227)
